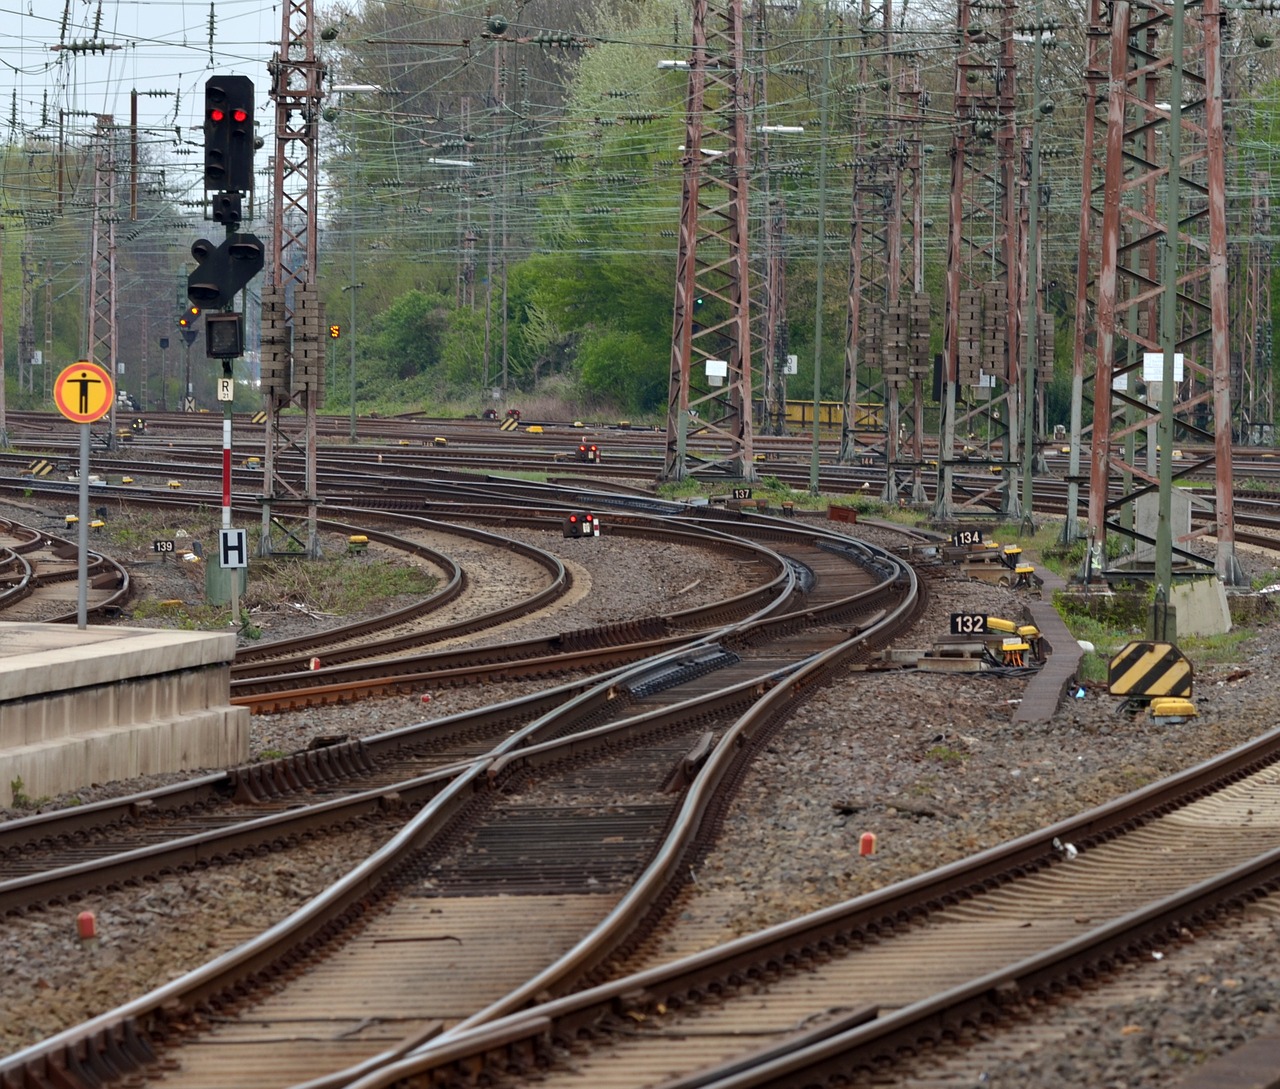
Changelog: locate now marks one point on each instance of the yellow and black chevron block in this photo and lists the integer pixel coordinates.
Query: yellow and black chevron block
(40, 468)
(1147, 670)
(509, 424)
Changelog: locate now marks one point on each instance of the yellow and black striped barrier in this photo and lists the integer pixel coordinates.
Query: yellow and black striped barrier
(1147, 670)
(509, 424)
(258, 418)
(40, 468)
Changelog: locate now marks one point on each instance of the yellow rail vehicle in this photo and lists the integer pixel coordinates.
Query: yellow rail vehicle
(868, 415)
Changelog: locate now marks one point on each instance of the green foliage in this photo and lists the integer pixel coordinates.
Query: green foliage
(408, 335)
(1215, 649)
(947, 756)
(462, 351)
(21, 800)
(1122, 612)
(623, 365)
(248, 628)
(344, 585)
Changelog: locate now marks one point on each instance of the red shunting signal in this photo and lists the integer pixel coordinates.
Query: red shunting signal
(237, 115)
(216, 114)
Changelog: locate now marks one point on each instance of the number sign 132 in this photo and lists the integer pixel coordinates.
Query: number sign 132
(968, 624)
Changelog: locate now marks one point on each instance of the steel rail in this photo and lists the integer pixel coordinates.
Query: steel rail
(119, 1037)
(523, 1037)
(893, 604)
(333, 763)
(974, 1006)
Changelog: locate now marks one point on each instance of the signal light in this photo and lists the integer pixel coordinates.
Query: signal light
(229, 139)
(225, 269)
(335, 331)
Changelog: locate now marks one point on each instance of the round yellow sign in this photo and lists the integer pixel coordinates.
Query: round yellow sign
(83, 392)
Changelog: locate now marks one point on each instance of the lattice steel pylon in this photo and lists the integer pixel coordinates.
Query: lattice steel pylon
(712, 320)
(293, 328)
(887, 322)
(1154, 58)
(27, 312)
(982, 319)
(1257, 385)
(769, 266)
(101, 334)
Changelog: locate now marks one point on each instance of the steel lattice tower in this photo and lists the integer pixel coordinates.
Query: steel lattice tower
(711, 264)
(101, 334)
(1257, 390)
(887, 321)
(26, 313)
(293, 344)
(1145, 70)
(769, 266)
(982, 320)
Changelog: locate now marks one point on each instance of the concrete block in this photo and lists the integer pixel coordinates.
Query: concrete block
(82, 707)
(1202, 606)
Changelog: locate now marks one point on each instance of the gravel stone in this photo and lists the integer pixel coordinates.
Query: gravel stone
(931, 763)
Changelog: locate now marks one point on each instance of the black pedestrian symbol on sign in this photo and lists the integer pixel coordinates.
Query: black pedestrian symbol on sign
(84, 382)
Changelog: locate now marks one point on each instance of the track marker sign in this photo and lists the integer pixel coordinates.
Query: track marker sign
(1146, 669)
(84, 392)
(233, 547)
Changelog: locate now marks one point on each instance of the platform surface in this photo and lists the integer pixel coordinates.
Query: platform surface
(38, 659)
(112, 703)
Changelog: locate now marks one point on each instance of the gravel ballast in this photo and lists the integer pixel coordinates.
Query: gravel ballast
(930, 763)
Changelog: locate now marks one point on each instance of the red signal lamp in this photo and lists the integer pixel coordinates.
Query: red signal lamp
(238, 116)
(216, 114)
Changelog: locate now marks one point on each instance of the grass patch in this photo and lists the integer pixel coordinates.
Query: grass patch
(947, 756)
(1215, 649)
(22, 800)
(339, 583)
(342, 585)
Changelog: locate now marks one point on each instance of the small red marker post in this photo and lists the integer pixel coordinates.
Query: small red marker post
(867, 844)
(87, 927)
(426, 697)
(315, 664)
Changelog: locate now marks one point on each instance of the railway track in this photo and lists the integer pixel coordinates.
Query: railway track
(217, 817)
(521, 1050)
(39, 578)
(618, 778)
(279, 677)
(864, 992)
